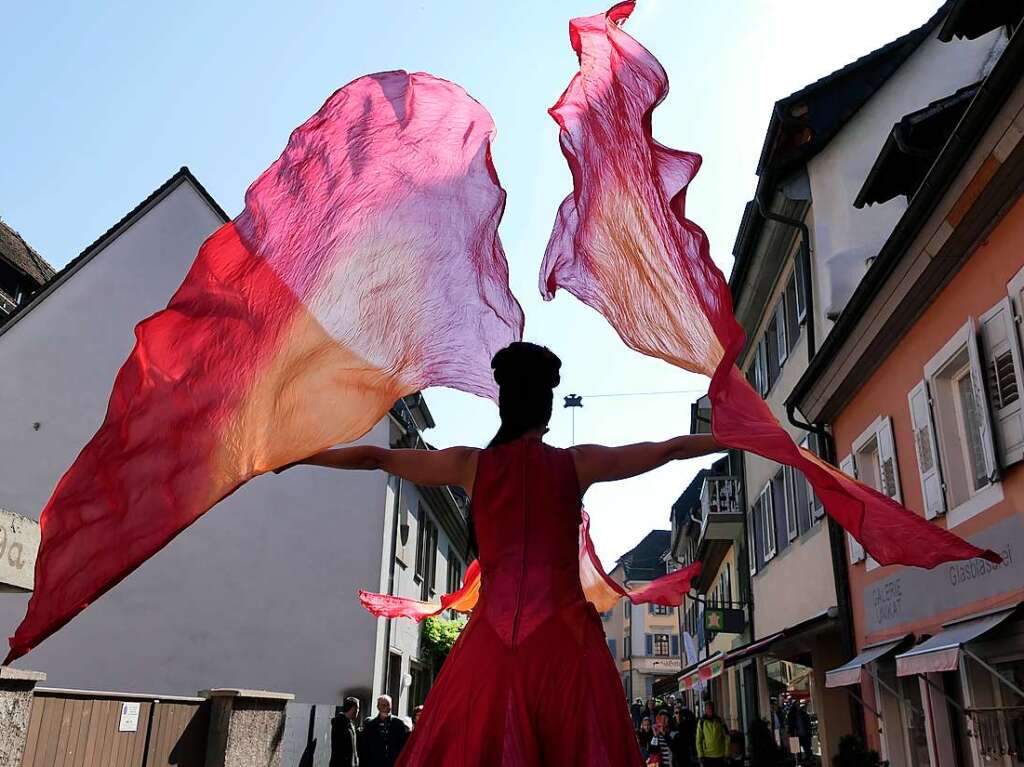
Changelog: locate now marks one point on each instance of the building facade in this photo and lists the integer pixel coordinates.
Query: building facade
(23, 272)
(643, 639)
(802, 250)
(262, 591)
(920, 384)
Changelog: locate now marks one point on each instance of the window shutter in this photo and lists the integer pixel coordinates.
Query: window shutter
(932, 488)
(1002, 369)
(789, 494)
(792, 317)
(890, 471)
(751, 540)
(768, 515)
(781, 336)
(849, 467)
(649, 640)
(675, 644)
(801, 297)
(985, 422)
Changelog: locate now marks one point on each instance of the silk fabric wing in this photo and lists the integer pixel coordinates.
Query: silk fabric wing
(365, 266)
(598, 587)
(622, 244)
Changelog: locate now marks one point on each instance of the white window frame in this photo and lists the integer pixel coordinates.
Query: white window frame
(789, 498)
(769, 542)
(986, 497)
(849, 467)
(751, 541)
(999, 334)
(881, 434)
(781, 331)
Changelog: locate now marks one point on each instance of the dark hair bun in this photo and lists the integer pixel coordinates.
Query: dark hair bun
(523, 364)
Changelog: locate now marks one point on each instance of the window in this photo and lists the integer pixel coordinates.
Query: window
(781, 334)
(454, 580)
(611, 648)
(780, 508)
(767, 523)
(661, 645)
(874, 459)
(659, 609)
(801, 293)
(849, 467)
(792, 313)
(726, 585)
(789, 494)
(802, 497)
(771, 342)
(426, 554)
(420, 684)
(952, 432)
(1000, 344)
(751, 540)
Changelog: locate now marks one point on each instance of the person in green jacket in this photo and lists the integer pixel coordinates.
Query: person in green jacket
(712, 738)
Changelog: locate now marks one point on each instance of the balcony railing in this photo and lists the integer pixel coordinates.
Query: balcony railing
(721, 513)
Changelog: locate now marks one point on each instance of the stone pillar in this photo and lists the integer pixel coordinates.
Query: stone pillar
(16, 686)
(246, 727)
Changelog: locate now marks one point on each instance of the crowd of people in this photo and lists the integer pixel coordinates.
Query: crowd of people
(671, 735)
(376, 742)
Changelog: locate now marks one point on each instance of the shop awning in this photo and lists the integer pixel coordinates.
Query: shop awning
(754, 648)
(942, 651)
(703, 672)
(850, 672)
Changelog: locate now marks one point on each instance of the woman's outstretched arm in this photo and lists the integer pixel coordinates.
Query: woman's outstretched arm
(597, 463)
(451, 466)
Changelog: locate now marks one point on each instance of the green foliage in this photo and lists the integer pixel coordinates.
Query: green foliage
(853, 753)
(439, 635)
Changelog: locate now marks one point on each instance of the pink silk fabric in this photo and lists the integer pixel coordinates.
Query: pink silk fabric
(622, 244)
(365, 266)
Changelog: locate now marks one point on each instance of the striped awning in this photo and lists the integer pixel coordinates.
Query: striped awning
(850, 672)
(704, 672)
(942, 651)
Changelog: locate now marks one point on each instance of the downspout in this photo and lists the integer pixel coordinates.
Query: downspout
(837, 539)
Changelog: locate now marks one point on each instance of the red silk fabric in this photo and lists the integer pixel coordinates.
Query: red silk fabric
(335, 292)
(599, 588)
(623, 245)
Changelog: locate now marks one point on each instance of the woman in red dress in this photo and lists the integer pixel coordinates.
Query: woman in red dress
(530, 682)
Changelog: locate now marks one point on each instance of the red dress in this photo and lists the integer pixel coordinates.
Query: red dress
(530, 682)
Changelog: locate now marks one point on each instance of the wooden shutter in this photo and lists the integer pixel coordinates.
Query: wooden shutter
(781, 333)
(649, 644)
(675, 645)
(768, 515)
(849, 467)
(789, 495)
(984, 425)
(752, 539)
(889, 469)
(801, 298)
(933, 490)
(1003, 377)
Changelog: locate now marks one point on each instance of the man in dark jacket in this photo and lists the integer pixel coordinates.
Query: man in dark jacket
(344, 735)
(382, 737)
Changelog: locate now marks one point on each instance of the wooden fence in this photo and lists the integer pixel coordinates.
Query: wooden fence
(73, 728)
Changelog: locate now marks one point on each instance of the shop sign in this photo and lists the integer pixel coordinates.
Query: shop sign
(723, 620)
(19, 543)
(913, 593)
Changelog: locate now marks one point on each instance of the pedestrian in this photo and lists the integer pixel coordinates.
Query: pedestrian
(684, 746)
(712, 738)
(416, 715)
(345, 735)
(383, 737)
(798, 723)
(659, 751)
(637, 712)
(644, 735)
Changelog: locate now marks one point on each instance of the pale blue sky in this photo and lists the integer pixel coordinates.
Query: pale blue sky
(104, 100)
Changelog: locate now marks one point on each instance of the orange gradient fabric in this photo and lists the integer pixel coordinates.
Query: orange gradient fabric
(623, 245)
(365, 266)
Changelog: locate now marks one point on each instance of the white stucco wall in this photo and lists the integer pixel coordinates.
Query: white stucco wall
(260, 592)
(845, 236)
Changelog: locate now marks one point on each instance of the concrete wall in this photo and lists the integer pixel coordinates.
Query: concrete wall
(845, 236)
(259, 593)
